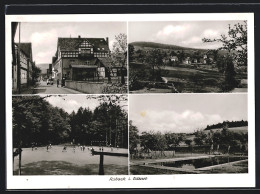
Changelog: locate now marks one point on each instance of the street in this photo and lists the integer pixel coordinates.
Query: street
(43, 88)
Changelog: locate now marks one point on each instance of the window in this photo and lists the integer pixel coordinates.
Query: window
(87, 62)
(85, 51)
(69, 54)
(98, 49)
(103, 49)
(85, 44)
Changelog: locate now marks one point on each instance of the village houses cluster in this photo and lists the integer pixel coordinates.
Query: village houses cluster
(76, 59)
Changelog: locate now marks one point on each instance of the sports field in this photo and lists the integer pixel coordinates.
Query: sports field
(55, 161)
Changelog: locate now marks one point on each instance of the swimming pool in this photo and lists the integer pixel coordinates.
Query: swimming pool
(194, 164)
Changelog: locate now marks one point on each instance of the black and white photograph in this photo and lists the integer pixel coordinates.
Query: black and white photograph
(188, 134)
(188, 56)
(70, 135)
(122, 101)
(69, 57)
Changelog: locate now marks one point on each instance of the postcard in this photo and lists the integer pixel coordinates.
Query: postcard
(130, 101)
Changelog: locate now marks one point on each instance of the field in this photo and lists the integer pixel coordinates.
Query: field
(56, 162)
(188, 79)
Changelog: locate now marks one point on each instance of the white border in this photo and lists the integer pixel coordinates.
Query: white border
(153, 181)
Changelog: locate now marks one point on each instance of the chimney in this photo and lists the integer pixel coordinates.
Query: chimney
(107, 41)
(79, 36)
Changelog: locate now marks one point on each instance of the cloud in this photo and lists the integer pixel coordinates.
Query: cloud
(172, 29)
(73, 102)
(186, 121)
(195, 40)
(43, 38)
(210, 33)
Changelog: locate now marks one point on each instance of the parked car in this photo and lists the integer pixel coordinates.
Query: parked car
(50, 81)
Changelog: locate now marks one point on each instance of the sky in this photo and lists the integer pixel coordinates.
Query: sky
(44, 35)
(182, 113)
(181, 33)
(71, 103)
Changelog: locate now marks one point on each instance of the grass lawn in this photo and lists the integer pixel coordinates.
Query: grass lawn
(142, 170)
(187, 79)
(241, 167)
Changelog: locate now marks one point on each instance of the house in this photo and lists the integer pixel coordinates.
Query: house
(187, 60)
(174, 58)
(81, 59)
(205, 57)
(23, 66)
(194, 60)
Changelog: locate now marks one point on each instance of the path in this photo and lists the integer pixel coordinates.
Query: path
(43, 88)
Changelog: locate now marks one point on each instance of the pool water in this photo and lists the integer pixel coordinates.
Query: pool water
(199, 163)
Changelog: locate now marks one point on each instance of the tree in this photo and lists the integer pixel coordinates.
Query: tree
(188, 142)
(131, 50)
(235, 43)
(153, 141)
(36, 71)
(200, 138)
(230, 81)
(181, 56)
(133, 137)
(154, 59)
(47, 124)
(120, 49)
(173, 53)
(174, 139)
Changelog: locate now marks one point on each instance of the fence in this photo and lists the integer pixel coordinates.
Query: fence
(205, 149)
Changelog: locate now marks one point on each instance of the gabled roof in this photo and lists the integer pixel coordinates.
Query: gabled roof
(26, 48)
(84, 66)
(71, 44)
(107, 62)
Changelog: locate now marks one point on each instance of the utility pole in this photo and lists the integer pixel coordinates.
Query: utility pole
(19, 63)
(116, 133)
(110, 130)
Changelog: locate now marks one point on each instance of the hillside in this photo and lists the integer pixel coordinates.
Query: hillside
(243, 129)
(162, 46)
(43, 67)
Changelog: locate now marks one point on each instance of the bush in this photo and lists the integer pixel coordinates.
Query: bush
(211, 81)
(136, 85)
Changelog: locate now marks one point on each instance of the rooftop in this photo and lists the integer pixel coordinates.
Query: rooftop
(71, 44)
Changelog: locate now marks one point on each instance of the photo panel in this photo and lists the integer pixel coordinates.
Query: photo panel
(185, 118)
(69, 57)
(188, 134)
(70, 135)
(188, 56)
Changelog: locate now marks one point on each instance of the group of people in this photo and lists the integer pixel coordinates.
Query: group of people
(62, 82)
(82, 148)
(34, 146)
(49, 147)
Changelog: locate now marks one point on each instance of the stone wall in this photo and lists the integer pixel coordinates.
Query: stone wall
(86, 87)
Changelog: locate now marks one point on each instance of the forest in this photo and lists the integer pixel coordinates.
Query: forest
(157, 141)
(35, 120)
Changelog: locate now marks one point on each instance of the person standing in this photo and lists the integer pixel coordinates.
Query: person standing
(58, 81)
(63, 82)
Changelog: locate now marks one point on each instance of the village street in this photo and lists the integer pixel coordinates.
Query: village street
(43, 88)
